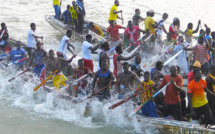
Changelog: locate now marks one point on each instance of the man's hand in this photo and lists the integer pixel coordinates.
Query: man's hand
(120, 11)
(199, 22)
(41, 37)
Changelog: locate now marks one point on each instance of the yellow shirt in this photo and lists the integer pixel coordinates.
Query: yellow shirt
(56, 2)
(149, 21)
(73, 12)
(148, 93)
(189, 32)
(98, 30)
(112, 15)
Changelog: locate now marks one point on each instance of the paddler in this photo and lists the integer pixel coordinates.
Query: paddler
(210, 79)
(169, 40)
(174, 28)
(57, 4)
(106, 78)
(118, 58)
(137, 18)
(150, 23)
(161, 28)
(54, 63)
(79, 72)
(114, 12)
(148, 109)
(87, 49)
(5, 46)
(3, 31)
(38, 55)
(171, 104)
(201, 52)
(196, 97)
(133, 33)
(113, 33)
(96, 29)
(32, 38)
(17, 54)
(126, 80)
(135, 66)
(196, 66)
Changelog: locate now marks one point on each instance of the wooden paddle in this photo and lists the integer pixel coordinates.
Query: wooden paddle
(122, 19)
(28, 69)
(96, 92)
(42, 83)
(2, 34)
(127, 99)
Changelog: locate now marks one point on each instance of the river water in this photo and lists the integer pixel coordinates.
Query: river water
(23, 111)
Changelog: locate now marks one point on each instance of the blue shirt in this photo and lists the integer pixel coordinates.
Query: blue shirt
(18, 55)
(152, 71)
(67, 16)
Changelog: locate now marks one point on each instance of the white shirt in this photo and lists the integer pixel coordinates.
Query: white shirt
(160, 29)
(31, 39)
(86, 51)
(63, 45)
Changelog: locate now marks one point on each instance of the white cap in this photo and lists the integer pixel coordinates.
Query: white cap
(151, 11)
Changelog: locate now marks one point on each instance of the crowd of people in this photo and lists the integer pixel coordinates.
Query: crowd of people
(126, 77)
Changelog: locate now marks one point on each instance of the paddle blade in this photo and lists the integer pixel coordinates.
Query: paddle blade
(42, 83)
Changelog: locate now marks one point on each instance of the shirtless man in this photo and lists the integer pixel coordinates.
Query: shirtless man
(54, 63)
(125, 82)
(106, 77)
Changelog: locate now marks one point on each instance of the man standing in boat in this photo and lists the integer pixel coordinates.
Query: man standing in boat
(106, 79)
(133, 33)
(88, 49)
(57, 4)
(196, 97)
(113, 32)
(38, 55)
(149, 22)
(3, 31)
(137, 18)
(172, 95)
(74, 10)
(173, 28)
(54, 63)
(32, 38)
(81, 14)
(113, 12)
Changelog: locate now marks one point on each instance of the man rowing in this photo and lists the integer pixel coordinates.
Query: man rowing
(78, 72)
(150, 23)
(55, 63)
(32, 38)
(133, 33)
(161, 28)
(196, 97)
(137, 18)
(87, 49)
(113, 33)
(96, 29)
(126, 80)
(135, 66)
(172, 95)
(174, 28)
(17, 54)
(118, 58)
(38, 55)
(106, 79)
(113, 12)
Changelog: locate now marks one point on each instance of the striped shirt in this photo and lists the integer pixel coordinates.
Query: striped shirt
(148, 93)
(201, 53)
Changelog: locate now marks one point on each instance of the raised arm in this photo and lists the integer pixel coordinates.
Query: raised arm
(197, 28)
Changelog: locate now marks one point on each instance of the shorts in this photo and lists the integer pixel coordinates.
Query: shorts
(88, 63)
(149, 109)
(115, 43)
(38, 69)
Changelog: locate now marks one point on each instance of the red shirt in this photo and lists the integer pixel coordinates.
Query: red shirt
(80, 72)
(114, 32)
(172, 96)
(173, 29)
(190, 77)
(133, 34)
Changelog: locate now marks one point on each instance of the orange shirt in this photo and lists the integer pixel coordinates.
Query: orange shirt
(198, 92)
(98, 30)
(172, 96)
